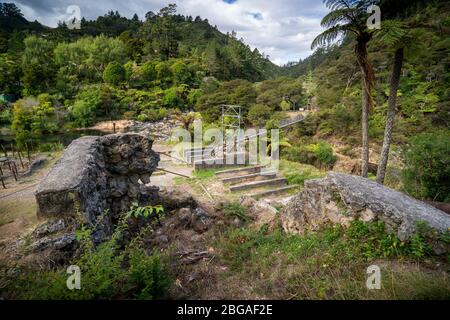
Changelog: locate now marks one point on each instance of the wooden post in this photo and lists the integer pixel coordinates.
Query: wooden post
(114, 127)
(11, 166)
(15, 168)
(20, 159)
(3, 181)
(28, 153)
(4, 150)
(12, 150)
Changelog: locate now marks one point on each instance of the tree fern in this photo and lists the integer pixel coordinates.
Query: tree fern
(329, 35)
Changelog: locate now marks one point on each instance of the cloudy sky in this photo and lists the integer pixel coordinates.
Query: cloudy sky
(282, 29)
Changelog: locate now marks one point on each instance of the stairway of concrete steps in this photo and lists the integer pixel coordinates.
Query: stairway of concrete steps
(201, 157)
(255, 182)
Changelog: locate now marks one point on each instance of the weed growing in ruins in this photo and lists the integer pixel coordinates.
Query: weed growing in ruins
(235, 210)
(137, 211)
(109, 270)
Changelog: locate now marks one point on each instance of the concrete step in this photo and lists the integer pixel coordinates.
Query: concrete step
(199, 157)
(241, 171)
(249, 177)
(273, 192)
(259, 184)
(189, 154)
(217, 162)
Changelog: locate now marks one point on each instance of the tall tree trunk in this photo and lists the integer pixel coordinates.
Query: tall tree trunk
(392, 105)
(368, 80)
(365, 131)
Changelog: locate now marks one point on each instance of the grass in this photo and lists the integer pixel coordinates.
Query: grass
(297, 173)
(11, 209)
(202, 175)
(328, 264)
(205, 174)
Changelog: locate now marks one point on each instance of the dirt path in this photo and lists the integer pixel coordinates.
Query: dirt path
(18, 204)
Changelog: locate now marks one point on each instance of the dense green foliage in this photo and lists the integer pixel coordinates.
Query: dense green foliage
(423, 99)
(117, 67)
(427, 170)
(319, 154)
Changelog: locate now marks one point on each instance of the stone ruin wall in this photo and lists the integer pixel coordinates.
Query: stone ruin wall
(97, 175)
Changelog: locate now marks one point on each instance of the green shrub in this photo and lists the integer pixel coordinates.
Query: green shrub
(149, 71)
(5, 115)
(324, 153)
(300, 153)
(319, 154)
(153, 115)
(87, 102)
(235, 209)
(427, 166)
(51, 147)
(172, 98)
(259, 114)
(114, 73)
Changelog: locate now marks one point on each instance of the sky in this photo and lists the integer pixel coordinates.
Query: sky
(281, 29)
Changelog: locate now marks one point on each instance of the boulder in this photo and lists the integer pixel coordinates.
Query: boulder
(34, 166)
(341, 198)
(260, 211)
(174, 198)
(96, 175)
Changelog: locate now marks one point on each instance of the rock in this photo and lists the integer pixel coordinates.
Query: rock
(97, 175)
(185, 217)
(173, 198)
(201, 221)
(237, 223)
(55, 243)
(260, 211)
(50, 227)
(197, 219)
(161, 239)
(35, 165)
(342, 198)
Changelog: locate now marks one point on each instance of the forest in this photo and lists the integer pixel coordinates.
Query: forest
(57, 79)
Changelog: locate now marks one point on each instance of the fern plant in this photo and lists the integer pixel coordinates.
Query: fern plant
(137, 211)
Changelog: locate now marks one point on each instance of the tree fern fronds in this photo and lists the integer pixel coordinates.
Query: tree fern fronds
(329, 35)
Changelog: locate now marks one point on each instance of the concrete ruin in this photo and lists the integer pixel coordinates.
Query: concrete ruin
(99, 177)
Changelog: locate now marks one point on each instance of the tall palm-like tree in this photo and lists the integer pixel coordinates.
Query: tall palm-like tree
(350, 17)
(397, 35)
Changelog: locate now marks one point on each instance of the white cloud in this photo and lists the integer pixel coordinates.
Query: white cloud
(282, 29)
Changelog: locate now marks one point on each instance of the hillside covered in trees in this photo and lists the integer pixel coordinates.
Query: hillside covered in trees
(146, 68)
(114, 65)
